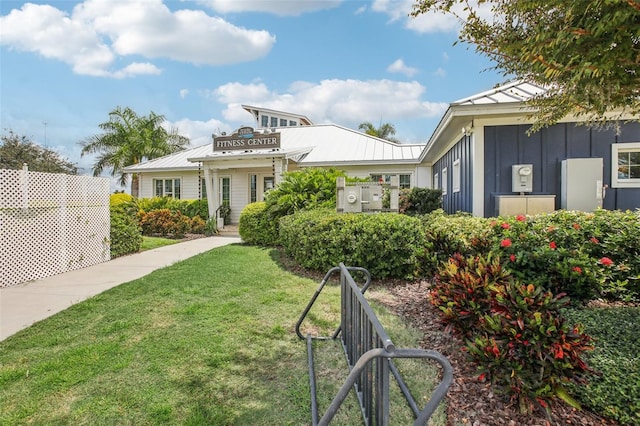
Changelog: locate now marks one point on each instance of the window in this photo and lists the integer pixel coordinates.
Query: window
(225, 190)
(436, 181)
(405, 181)
(253, 188)
(274, 121)
(269, 183)
(292, 123)
(455, 178)
(265, 121)
(167, 188)
(203, 189)
(625, 165)
(283, 122)
(444, 181)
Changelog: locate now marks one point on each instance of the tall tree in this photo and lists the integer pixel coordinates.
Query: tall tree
(586, 52)
(385, 131)
(17, 150)
(129, 139)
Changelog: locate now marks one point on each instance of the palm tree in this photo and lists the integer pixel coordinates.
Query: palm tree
(129, 139)
(385, 131)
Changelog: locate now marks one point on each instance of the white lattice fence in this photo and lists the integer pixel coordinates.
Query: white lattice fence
(51, 223)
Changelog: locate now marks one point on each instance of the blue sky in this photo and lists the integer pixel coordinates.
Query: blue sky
(69, 63)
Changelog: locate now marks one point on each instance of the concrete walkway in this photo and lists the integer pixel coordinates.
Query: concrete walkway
(28, 303)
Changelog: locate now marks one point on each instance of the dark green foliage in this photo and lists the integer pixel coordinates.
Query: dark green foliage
(198, 208)
(586, 255)
(449, 234)
(256, 225)
(615, 390)
(515, 332)
(304, 189)
(125, 234)
(420, 201)
(386, 244)
(17, 150)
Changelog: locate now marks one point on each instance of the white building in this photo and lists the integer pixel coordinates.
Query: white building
(239, 168)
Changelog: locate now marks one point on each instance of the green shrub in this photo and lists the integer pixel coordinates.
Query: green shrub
(119, 198)
(125, 233)
(256, 225)
(164, 222)
(586, 255)
(161, 203)
(303, 189)
(420, 201)
(198, 208)
(449, 234)
(615, 389)
(197, 225)
(386, 244)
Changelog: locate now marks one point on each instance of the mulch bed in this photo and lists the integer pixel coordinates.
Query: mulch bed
(469, 400)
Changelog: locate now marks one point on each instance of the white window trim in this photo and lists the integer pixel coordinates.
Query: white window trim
(455, 184)
(444, 181)
(615, 181)
(436, 181)
(173, 187)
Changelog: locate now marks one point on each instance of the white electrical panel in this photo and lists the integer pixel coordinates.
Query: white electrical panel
(522, 178)
(581, 184)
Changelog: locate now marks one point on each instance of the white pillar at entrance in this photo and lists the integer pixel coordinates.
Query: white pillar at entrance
(279, 169)
(211, 186)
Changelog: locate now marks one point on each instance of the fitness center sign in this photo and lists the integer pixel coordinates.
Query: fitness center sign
(246, 139)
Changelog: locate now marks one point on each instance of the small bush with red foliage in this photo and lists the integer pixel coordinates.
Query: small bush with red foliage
(515, 332)
(462, 289)
(164, 222)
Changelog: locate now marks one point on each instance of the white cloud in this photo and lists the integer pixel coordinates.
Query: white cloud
(137, 68)
(360, 10)
(432, 22)
(99, 32)
(398, 66)
(345, 102)
(275, 7)
(184, 93)
(199, 132)
(440, 72)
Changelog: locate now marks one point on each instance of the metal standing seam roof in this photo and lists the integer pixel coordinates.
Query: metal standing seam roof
(175, 161)
(515, 91)
(323, 144)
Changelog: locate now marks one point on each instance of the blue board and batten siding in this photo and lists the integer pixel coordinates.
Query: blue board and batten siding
(508, 145)
(462, 200)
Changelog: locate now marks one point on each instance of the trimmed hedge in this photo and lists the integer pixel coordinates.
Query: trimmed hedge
(256, 226)
(386, 244)
(125, 234)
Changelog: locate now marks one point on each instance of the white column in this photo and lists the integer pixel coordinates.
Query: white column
(279, 167)
(211, 186)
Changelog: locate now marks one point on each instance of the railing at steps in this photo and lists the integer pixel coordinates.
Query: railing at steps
(370, 353)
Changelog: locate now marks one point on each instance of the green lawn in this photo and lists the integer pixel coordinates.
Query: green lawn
(207, 341)
(149, 243)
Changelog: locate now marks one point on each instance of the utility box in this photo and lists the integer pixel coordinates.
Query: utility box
(522, 178)
(581, 184)
(352, 200)
(364, 197)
